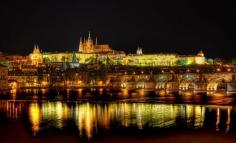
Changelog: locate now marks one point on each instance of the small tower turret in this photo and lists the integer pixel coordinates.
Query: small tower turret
(200, 53)
(139, 51)
(80, 45)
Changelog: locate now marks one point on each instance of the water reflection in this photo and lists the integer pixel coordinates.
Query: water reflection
(34, 116)
(90, 118)
(11, 110)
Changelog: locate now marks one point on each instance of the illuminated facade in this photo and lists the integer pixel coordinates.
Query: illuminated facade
(3, 77)
(90, 52)
(155, 60)
(88, 46)
(151, 60)
(198, 59)
(87, 53)
(36, 57)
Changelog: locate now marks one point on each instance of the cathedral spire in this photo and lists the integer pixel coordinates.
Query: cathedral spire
(89, 36)
(139, 51)
(74, 59)
(80, 45)
(36, 48)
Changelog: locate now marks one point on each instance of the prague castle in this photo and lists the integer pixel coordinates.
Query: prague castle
(89, 52)
(88, 46)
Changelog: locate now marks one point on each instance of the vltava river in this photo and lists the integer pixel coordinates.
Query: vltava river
(87, 119)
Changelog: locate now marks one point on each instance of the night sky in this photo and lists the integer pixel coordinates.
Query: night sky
(183, 27)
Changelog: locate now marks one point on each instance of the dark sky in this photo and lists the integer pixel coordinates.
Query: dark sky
(176, 26)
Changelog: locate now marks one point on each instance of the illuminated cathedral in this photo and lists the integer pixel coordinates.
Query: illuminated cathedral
(36, 57)
(90, 52)
(89, 46)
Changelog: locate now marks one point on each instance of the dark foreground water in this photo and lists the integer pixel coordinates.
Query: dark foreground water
(27, 117)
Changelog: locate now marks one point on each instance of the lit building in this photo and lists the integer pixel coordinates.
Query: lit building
(139, 51)
(198, 59)
(156, 60)
(3, 77)
(36, 57)
(90, 52)
(88, 46)
(87, 53)
(151, 60)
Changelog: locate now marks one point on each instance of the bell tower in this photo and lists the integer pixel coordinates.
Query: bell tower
(81, 45)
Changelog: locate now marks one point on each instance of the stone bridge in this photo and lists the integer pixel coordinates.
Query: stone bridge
(170, 81)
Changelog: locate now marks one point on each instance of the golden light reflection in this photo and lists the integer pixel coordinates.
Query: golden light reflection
(44, 91)
(100, 90)
(199, 116)
(217, 119)
(12, 109)
(89, 118)
(34, 115)
(55, 111)
(228, 122)
(59, 114)
(86, 116)
(13, 93)
(80, 92)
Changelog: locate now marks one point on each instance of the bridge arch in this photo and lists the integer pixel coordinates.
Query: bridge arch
(219, 84)
(189, 85)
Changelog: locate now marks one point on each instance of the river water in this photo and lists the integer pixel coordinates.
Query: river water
(87, 118)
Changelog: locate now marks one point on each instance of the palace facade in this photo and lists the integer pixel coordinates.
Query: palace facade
(3, 77)
(90, 52)
(155, 60)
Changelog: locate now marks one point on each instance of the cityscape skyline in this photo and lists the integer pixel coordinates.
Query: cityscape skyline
(169, 27)
(117, 71)
(96, 40)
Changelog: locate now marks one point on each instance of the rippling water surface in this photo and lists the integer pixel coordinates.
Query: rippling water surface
(89, 118)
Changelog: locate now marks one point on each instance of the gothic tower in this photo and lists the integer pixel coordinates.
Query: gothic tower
(81, 45)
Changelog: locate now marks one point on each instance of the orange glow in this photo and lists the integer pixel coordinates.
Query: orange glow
(162, 93)
(13, 85)
(218, 94)
(100, 83)
(100, 90)
(13, 93)
(188, 93)
(217, 119)
(80, 82)
(228, 119)
(125, 92)
(34, 114)
(80, 91)
(86, 116)
(44, 83)
(141, 92)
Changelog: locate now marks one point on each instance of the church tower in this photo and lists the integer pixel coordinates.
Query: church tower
(139, 51)
(81, 45)
(89, 44)
(36, 57)
(74, 63)
(86, 45)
